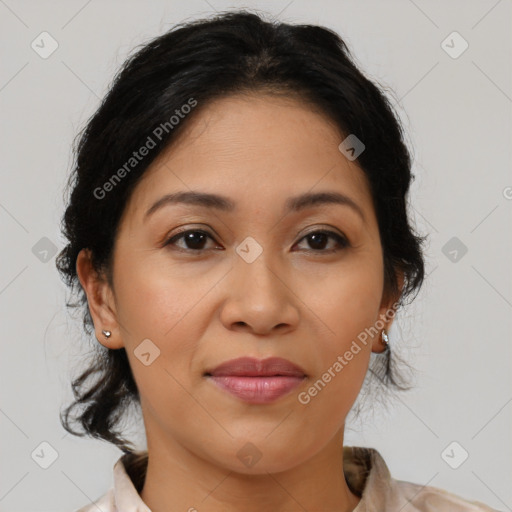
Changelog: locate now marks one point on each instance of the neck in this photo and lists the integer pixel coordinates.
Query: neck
(177, 479)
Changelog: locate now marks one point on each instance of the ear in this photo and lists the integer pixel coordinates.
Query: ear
(387, 312)
(100, 298)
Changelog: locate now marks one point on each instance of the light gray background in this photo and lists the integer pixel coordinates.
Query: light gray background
(457, 334)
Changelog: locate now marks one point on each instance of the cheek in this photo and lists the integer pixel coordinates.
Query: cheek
(348, 307)
(155, 304)
(342, 353)
(348, 299)
(157, 295)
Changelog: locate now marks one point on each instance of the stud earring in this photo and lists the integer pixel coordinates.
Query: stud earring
(107, 334)
(385, 338)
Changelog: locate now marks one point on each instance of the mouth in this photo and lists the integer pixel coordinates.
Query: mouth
(257, 381)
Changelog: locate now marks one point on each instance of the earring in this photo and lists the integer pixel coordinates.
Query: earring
(385, 338)
(107, 334)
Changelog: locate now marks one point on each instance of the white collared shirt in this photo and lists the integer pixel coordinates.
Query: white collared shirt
(366, 473)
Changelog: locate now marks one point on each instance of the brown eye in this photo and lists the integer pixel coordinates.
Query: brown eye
(318, 240)
(193, 239)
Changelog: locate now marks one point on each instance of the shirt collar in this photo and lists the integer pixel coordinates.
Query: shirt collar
(129, 474)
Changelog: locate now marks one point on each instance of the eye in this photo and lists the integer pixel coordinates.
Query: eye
(319, 239)
(194, 240)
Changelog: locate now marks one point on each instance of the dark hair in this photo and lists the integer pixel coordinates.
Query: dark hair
(193, 64)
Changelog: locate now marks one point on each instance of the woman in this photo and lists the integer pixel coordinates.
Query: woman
(239, 240)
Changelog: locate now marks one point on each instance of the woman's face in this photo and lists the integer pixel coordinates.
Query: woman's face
(255, 284)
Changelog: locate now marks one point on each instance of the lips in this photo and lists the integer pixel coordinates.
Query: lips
(257, 381)
(251, 367)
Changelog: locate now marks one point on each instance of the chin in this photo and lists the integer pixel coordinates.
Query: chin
(256, 455)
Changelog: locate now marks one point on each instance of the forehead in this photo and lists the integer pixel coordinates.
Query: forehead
(258, 149)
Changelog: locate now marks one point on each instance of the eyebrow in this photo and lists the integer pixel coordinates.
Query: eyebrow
(222, 203)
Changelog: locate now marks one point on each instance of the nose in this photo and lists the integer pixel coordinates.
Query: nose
(259, 299)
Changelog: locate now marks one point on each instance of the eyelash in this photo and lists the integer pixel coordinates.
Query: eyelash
(343, 243)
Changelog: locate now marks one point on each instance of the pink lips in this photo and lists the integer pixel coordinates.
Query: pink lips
(257, 381)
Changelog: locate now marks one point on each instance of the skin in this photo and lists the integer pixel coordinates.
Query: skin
(203, 308)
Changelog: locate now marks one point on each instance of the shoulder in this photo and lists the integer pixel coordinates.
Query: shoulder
(128, 477)
(418, 498)
(105, 503)
(369, 477)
